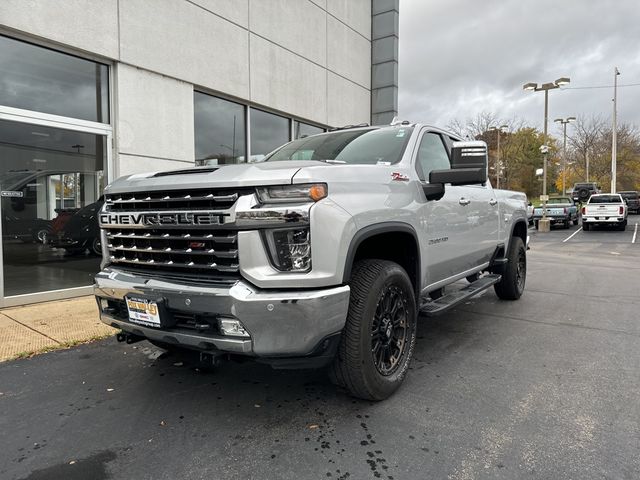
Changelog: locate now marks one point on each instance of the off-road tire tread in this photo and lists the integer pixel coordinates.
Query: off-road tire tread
(506, 288)
(346, 369)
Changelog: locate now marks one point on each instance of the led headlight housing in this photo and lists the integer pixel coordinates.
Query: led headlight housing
(290, 249)
(306, 192)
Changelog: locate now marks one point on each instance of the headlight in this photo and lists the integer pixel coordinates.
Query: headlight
(292, 193)
(290, 249)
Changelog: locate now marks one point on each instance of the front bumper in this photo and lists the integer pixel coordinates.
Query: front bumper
(280, 323)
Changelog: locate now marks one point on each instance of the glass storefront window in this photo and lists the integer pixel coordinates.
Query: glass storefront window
(219, 130)
(43, 80)
(51, 183)
(268, 132)
(301, 129)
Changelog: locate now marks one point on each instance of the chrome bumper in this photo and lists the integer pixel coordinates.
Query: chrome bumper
(281, 323)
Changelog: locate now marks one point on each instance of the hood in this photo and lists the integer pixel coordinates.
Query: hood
(222, 176)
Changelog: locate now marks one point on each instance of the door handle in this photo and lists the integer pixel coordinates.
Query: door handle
(493, 202)
(464, 201)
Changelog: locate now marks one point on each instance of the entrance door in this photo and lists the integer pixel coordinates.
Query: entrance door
(51, 182)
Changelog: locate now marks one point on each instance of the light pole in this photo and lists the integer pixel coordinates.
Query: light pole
(614, 136)
(544, 224)
(564, 122)
(498, 131)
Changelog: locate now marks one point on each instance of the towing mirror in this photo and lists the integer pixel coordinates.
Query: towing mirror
(469, 161)
(469, 165)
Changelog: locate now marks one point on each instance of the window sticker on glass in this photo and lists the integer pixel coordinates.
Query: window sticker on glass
(400, 133)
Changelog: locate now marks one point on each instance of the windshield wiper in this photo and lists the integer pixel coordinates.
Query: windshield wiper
(337, 162)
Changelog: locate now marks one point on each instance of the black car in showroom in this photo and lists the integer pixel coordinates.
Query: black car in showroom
(81, 232)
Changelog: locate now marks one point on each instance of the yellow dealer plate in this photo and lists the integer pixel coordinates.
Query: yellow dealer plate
(143, 311)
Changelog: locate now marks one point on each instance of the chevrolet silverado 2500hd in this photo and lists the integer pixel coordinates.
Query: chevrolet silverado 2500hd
(323, 254)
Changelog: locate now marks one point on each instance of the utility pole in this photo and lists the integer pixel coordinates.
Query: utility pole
(614, 136)
(564, 122)
(498, 131)
(544, 225)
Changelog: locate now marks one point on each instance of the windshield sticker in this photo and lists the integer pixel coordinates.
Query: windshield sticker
(400, 133)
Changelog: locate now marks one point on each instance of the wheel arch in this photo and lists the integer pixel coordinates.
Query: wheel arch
(373, 241)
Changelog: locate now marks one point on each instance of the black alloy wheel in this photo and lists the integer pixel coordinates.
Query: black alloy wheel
(389, 330)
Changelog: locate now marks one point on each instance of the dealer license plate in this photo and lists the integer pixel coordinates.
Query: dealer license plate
(143, 311)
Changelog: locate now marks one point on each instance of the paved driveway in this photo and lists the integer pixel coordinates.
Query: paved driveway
(546, 387)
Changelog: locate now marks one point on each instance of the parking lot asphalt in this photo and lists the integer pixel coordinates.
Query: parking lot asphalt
(545, 387)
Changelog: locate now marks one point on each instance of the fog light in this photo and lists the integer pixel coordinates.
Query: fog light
(231, 327)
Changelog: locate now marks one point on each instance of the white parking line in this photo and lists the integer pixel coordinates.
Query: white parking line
(635, 234)
(571, 236)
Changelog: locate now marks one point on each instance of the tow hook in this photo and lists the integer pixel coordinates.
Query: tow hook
(209, 359)
(128, 338)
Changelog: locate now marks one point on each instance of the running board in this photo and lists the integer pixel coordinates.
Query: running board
(444, 303)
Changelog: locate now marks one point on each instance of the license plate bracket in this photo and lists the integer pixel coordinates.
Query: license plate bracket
(147, 311)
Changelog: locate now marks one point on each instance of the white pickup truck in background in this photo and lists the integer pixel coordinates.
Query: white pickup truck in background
(608, 209)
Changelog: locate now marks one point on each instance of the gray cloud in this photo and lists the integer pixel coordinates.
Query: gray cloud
(461, 57)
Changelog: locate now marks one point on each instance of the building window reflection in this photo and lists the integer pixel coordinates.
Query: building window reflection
(301, 129)
(268, 132)
(43, 80)
(219, 130)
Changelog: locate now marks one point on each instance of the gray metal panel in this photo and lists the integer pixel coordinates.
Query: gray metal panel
(380, 6)
(384, 60)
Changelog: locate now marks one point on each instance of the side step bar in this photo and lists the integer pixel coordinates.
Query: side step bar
(444, 303)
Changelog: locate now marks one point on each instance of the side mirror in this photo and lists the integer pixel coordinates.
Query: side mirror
(469, 166)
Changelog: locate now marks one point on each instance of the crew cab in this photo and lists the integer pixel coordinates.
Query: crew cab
(559, 210)
(321, 255)
(606, 209)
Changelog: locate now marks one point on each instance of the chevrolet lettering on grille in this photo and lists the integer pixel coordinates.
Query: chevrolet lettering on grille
(164, 219)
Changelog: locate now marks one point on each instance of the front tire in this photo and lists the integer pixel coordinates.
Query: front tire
(511, 286)
(380, 332)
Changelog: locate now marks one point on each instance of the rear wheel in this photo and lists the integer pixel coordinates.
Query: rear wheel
(586, 227)
(380, 332)
(511, 286)
(566, 224)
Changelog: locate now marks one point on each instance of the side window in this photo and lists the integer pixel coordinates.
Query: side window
(432, 155)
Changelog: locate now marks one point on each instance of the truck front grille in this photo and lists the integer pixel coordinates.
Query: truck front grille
(207, 251)
(189, 200)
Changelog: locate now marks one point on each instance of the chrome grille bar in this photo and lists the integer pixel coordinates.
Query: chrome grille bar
(172, 264)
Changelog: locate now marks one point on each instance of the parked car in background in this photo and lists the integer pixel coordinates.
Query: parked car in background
(81, 231)
(560, 211)
(530, 209)
(582, 191)
(608, 209)
(633, 201)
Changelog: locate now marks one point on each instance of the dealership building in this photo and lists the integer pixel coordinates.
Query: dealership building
(91, 90)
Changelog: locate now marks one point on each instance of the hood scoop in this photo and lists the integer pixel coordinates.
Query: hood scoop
(185, 172)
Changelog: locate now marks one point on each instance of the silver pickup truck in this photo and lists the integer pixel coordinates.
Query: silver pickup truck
(323, 254)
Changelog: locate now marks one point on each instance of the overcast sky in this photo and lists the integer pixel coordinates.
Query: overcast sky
(462, 57)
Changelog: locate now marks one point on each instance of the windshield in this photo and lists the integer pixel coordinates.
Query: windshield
(605, 199)
(369, 146)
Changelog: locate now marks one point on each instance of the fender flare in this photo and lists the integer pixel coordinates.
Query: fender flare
(376, 229)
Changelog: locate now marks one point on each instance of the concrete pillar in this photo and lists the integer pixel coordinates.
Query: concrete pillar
(384, 60)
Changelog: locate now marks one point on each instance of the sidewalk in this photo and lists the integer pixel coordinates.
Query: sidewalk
(48, 326)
